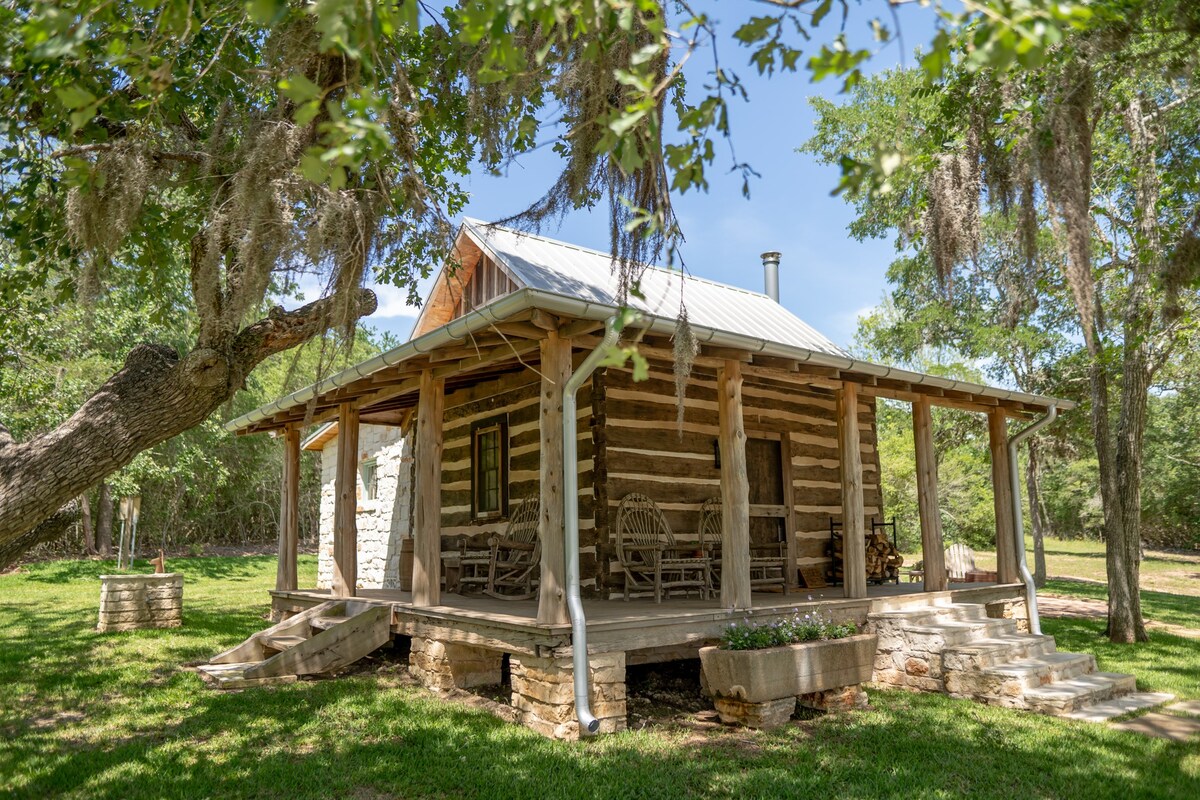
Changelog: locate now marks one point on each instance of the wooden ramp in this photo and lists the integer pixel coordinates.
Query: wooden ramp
(325, 637)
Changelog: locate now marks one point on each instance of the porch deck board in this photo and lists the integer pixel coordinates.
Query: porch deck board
(615, 624)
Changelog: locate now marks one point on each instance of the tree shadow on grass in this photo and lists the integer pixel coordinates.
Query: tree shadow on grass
(350, 738)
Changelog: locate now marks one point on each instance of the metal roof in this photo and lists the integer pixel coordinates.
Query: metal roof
(555, 267)
(578, 282)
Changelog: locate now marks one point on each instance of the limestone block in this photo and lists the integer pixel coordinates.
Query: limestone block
(544, 696)
(767, 715)
(128, 602)
(847, 698)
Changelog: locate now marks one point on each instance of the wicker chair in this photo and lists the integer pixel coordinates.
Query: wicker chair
(515, 561)
(768, 562)
(710, 539)
(649, 556)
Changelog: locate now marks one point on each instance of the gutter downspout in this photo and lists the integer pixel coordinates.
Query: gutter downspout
(1035, 622)
(588, 724)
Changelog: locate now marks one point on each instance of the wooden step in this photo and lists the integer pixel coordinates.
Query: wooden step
(347, 639)
(325, 623)
(280, 642)
(232, 676)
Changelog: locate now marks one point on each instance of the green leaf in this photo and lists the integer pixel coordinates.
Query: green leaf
(75, 96)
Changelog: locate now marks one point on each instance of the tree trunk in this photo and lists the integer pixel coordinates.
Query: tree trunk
(1036, 521)
(104, 524)
(155, 396)
(85, 518)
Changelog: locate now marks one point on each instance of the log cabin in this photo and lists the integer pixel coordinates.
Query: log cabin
(429, 451)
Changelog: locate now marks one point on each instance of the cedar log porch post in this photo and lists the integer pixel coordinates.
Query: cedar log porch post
(556, 369)
(854, 555)
(345, 512)
(289, 511)
(427, 533)
(1006, 552)
(932, 546)
(735, 489)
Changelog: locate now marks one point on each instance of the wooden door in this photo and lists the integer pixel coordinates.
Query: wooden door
(764, 469)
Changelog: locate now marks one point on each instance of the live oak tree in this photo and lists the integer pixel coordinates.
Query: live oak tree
(240, 144)
(1094, 155)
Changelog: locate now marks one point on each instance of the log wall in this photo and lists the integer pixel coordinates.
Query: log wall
(514, 397)
(643, 451)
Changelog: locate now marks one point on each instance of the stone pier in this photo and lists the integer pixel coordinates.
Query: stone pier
(543, 692)
(442, 666)
(129, 602)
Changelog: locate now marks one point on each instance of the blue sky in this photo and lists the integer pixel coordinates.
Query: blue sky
(826, 277)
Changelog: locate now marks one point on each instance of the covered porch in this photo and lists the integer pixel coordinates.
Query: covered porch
(542, 346)
(644, 632)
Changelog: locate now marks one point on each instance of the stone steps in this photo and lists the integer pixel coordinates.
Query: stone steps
(1063, 697)
(984, 653)
(959, 650)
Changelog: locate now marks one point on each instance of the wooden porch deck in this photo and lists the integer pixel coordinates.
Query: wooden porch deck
(638, 625)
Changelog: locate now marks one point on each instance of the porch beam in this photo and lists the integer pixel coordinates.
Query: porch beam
(555, 369)
(735, 489)
(289, 511)
(789, 510)
(345, 512)
(854, 556)
(932, 547)
(1006, 546)
(427, 527)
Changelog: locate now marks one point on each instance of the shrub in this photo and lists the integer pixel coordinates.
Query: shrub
(809, 627)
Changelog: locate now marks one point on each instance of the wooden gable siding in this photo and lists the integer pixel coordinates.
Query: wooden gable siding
(486, 282)
(643, 451)
(516, 397)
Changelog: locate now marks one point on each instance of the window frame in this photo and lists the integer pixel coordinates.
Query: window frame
(369, 493)
(499, 424)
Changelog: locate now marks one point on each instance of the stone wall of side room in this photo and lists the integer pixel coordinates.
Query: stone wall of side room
(382, 522)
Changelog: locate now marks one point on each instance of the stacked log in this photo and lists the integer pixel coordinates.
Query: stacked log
(883, 559)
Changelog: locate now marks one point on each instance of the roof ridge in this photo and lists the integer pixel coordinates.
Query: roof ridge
(571, 246)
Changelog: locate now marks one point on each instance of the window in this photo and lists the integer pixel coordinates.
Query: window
(369, 472)
(489, 468)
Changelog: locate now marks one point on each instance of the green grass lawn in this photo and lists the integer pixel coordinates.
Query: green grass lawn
(91, 715)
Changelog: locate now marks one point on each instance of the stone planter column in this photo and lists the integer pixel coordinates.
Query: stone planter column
(129, 602)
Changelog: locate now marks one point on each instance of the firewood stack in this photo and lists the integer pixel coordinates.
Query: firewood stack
(883, 559)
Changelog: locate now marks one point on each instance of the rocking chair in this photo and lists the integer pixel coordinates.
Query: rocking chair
(515, 558)
(649, 556)
(768, 562)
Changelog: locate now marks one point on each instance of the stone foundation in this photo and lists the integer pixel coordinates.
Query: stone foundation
(129, 602)
(543, 693)
(442, 666)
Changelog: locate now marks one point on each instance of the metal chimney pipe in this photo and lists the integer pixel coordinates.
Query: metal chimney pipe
(771, 274)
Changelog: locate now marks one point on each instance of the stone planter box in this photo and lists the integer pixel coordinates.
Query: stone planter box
(759, 688)
(129, 602)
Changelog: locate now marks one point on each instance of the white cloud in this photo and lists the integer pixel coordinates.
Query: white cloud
(393, 303)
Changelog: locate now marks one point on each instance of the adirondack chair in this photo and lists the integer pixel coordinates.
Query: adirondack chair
(514, 564)
(768, 563)
(960, 560)
(649, 556)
